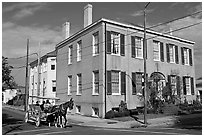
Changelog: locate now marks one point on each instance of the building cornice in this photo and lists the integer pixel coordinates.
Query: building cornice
(61, 44)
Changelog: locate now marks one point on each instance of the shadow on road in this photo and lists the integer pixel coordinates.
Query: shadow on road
(10, 124)
(192, 121)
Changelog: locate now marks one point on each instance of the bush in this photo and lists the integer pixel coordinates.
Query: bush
(110, 114)
(133, 112)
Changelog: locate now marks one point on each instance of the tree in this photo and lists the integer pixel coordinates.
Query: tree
(7, 79)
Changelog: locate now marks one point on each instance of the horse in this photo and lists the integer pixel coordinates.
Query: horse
(62, 112)
(52, 115)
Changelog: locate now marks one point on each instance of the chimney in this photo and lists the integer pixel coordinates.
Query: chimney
(87, 15)
(65, 30)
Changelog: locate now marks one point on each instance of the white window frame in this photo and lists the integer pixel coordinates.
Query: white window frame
(79, 50)
(188, 86)
(119, 82)
(93, 83)
(174, 84)
(137, 40)
(78, 90)
(156, 43)
(173, 53)
(93, 112)
(113, 38)
(70, 54)
(69, 88)
(186, 56)
(95, 45)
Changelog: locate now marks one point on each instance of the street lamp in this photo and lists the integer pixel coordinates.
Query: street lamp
(145, 77)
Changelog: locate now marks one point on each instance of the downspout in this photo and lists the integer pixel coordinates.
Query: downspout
(105, 66)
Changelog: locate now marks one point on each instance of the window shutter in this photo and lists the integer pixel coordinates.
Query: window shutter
(192, 86)
(161, 51)
(123, 83)
(133, 46)
(184, 85)
(167, 53)
(108, 44)
(178, 85)
(109, 87)
(177, 58)
(133, 83)
(169, 81)
(182, 56)
(190, 57)
(122, 44)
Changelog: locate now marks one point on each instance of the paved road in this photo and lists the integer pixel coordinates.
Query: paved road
(13, 125)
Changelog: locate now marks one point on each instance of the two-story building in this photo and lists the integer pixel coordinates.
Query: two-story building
(47, 79)
(102, 64)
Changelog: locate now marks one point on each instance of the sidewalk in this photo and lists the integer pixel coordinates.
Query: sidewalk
(81, 120)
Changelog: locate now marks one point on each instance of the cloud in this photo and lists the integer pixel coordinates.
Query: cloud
(24, 9)
(141, 12)
(14, 38)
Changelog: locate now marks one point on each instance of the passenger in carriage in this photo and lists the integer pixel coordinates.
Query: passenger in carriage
(47, 105)
(42, 106)
(37, 103)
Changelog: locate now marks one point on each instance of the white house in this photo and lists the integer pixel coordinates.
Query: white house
(47, 78)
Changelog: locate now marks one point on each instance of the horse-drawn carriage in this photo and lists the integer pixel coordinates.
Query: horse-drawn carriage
(56, 112)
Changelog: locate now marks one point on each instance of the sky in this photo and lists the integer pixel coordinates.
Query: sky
(41, 22)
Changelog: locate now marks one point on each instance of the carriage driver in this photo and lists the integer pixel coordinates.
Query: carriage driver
(47, 105)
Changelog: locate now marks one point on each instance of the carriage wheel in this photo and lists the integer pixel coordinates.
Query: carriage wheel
(37, 123)
(26, 117)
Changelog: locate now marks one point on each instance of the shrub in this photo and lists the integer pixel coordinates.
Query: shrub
(110, 114)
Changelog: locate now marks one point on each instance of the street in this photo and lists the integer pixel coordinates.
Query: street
(13, 124)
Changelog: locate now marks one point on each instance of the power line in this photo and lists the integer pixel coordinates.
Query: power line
(22, 56)
(174, 20)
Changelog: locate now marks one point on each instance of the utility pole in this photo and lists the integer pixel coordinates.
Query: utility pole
(26, 80)
(38, 83)
(145, 69)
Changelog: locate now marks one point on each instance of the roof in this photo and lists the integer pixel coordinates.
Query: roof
(131, 26)
(49, 54)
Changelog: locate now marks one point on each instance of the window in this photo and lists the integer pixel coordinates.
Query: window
(137, 80)
(79, 50)
(78, 109)
(52, 67)
(69, 85)
(95, 111)
(188, 85)
(172, 53)
(115, 82)
(70, 54)
(53, 85)
(95, 82)
(115, 43)
(173, 85)
(156, 50)
(137, 47)
(186, 54)
(79, 84)
(95, 43)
